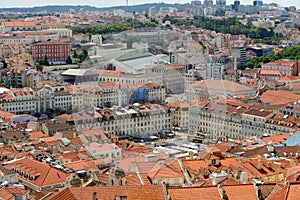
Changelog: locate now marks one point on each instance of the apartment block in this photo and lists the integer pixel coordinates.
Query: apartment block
(137, 120)
(56, 52)
(238, 120)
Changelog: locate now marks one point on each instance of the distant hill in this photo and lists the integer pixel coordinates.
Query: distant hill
(145, 7)
(49, 9)
(52, 9)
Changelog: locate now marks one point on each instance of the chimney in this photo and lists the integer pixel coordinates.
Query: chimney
(95, 196)
(51, 149)
(191, 155)
(235, 64)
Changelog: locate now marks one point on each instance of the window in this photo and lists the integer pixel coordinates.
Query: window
(213, 161)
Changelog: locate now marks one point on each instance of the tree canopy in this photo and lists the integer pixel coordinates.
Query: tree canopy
(292, 53)
(228, 25)
(112, 28)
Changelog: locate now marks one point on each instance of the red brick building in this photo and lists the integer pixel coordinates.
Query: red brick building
(57, 52)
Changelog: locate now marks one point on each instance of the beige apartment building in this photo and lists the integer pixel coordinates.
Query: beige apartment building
(225, 120)
(137, 120)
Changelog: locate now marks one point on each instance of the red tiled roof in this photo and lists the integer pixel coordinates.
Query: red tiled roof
(37, 135)
(277, 139)
(270, 72)
(194, 166)
(294, 192)
(289, 78)
(96, 134)
(45, 174)
(4, 194)
(73, 156)
(7, 115)
(279, 195)
(284, 63)
(50, 42)
(179, 104)
(17, 191)
(223, 85)
(244, 192)
(195, 193)
(133, 179)
(47, 82)
(267, 189)
(259, 113)
(82, 165)
(18, 23)
(231, 181)
(171, 169)
(275, 97)
(170, 67)
(151, 192)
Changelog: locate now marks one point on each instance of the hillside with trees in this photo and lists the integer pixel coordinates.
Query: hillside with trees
(112, 28)
(292, 53)
(57, 8)
(228, 25)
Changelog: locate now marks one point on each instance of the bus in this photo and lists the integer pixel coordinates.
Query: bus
(200, 137)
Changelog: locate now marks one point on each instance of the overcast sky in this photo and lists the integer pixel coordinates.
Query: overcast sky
(107, 3)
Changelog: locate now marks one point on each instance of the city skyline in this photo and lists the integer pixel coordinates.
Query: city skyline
(32, 3)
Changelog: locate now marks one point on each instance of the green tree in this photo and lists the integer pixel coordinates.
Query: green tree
(112, 28)
(4, 85)
(108, 104)
(44, 61)
(75, 55)
(287, 53)
(50, 112)
(69, 60)
(37, 115)
(62, 110)
(83, 55)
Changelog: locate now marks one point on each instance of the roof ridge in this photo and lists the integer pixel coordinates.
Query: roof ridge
(287, 192)
(46, 175)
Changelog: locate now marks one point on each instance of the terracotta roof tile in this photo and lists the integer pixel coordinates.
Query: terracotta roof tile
(17, 191)
(270, 72)
(133, 179)
(223, 85)
(277, 139)
(37, 135)
(275, 97)
(194, 193)
(151, 192)
(245, 192)
(294, 192)
(45, 175)
(266, 189)
(82, 165)
(18, 23)
(284, 63)
(4, 194)
(170, 169)
(279, 195)
(231, 181)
